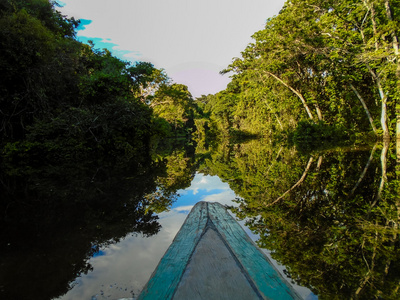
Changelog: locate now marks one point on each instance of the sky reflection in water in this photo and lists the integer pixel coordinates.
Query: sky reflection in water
(121, 270)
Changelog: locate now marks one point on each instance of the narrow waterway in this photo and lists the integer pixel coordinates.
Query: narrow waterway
(97, 229)
(121, 270)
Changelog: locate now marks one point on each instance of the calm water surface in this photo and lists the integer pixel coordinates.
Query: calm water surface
(121, 270)
(329, 219)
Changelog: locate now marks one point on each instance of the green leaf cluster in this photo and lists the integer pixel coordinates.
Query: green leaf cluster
(330, 63)
(331, 217)
(62, 98)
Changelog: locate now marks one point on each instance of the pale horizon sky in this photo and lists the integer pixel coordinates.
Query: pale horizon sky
(192, 40)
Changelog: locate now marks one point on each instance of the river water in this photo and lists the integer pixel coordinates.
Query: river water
(327, 219)
(121, 270)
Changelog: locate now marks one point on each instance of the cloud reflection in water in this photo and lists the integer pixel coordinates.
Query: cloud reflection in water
(121, 270)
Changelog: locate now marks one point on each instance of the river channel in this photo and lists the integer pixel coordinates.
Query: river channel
(327, 219)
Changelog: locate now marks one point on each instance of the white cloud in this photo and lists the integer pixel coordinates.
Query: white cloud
(224, 198)
(183, 209)
(127, 265)
(190, 39)
(205, 182)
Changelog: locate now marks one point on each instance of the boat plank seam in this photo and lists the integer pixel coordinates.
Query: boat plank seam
(266, 278)
(175, 258)
(244, 271)
(258, 270)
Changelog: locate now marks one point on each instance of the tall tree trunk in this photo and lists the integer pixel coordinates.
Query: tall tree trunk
(395, 41)
(374, 75)
(371, 7)
(395, 38)
(319, 163)
(298, 94)
(385, 129)
(383, 96)
(384, 168)
(371, 121)
(319, 113)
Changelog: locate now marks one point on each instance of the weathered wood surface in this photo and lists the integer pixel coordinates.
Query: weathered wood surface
(212, 257)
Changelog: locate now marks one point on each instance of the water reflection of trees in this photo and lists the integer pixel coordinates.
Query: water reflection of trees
(331, 217)
(180, 167)
(54, 218)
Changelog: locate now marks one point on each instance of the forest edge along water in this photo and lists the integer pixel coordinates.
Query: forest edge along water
(96, 152)
(334, 221)
(332, 225)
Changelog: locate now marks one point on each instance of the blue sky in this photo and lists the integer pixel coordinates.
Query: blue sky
(203, 188)
(192, 40)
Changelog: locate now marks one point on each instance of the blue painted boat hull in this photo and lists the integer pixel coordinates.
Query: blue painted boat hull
(212, 257)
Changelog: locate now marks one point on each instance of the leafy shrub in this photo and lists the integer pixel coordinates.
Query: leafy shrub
(308, 135)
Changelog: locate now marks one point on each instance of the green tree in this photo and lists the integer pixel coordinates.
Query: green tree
(61, 97)
(333, 63)
(67, 212)
(35, 41)
(174, 103)
(324, 215)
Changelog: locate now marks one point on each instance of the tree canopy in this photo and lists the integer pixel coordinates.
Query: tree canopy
(330, 217)
(58, 95)
(334, 63)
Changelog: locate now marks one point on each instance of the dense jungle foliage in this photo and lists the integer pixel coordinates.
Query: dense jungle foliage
(83, 165)
(58, 216)
(330, 217)
(318, 70)
(62, 99)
